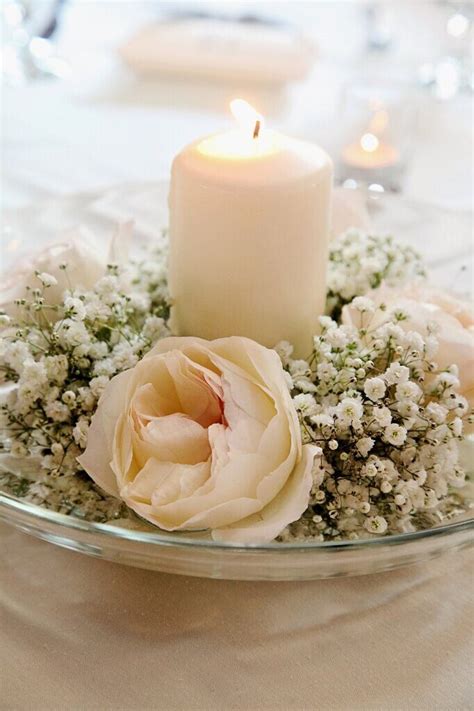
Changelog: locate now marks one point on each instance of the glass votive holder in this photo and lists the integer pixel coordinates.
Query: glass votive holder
(376, 136)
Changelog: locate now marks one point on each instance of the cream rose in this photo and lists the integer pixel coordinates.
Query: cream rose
(453, 317)
(203, 435)
(86, 261)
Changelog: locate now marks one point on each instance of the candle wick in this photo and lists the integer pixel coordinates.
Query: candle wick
(256, 130)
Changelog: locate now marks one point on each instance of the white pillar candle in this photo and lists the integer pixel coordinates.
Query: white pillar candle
(249, 231)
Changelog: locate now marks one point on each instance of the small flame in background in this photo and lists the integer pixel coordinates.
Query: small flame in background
(369, 142)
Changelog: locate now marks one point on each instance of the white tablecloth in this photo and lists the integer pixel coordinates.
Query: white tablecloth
(80, 633)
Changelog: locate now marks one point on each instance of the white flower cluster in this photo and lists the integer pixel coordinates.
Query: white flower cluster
(359, 262)
(388, 423)
(60, 358)
(72, 495)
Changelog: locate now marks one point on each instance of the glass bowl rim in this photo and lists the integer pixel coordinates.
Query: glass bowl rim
(16, 506)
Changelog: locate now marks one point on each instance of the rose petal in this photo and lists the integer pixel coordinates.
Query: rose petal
(97, 457)
(285, 508)
(175, 438)
(160, 482)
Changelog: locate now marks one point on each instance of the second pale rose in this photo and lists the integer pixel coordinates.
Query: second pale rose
(203, 435)
(423, 306)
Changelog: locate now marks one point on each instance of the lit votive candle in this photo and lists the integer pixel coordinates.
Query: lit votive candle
(249, 231)
(370, 152)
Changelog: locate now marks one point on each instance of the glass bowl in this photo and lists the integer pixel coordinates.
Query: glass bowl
(196, 554)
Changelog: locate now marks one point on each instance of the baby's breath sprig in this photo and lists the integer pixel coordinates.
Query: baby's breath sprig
(58, 358)
(389, 425)
(359, 262)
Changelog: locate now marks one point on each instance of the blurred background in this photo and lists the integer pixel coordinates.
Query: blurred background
(103, 93)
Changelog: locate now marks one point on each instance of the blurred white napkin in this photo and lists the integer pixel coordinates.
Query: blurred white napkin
(220, 49)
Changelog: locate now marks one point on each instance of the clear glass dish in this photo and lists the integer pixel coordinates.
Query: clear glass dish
(196, 554)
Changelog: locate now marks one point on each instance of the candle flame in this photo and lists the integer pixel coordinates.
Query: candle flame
(369, 142)
(248, 118)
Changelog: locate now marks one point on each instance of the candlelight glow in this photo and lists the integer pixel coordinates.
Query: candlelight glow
(247, 117)
(248, 141)
(369, 152)
(369, 142)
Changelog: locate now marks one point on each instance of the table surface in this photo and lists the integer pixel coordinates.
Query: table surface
(79, 633)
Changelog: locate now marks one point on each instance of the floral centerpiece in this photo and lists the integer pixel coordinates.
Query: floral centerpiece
(107, 416)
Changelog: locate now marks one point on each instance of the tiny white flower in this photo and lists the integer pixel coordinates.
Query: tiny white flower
(69, 397)
(305, 404)
(407, 408)
(374, 388)
(408, 390)
(97, 350)
(436, 412)
(57, 411)
(337, 338)
(344, 486)
(457, 426)
(86, 399)
(363, 304)
(57, 368)
(382, 416)
(284, 350)
(322, 420)
(97, 310)
(364, 445)
(124, 357)
(461, 406)
(72, 333)
(299, 367)
(376, 524)
(370, 470)
(305, 385)
(155, 328)
(421, 476)
(395, 434)
(327, 322)
(57, 449)
(104, 367)
(80, 432)
(98, 384)
(76, 307)
(414, 341)
(396, 373)
(107, 285)
(16, 354)
(47, 279)
(288, 380)
(447, 380)
(349, 410)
